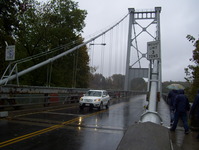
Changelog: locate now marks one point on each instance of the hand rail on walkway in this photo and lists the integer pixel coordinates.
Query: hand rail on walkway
(151, 114)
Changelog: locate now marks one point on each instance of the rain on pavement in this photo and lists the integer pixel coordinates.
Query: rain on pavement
(70, 128)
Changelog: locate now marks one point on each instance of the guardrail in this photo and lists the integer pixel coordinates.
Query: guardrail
(164, 96)
(17, 96)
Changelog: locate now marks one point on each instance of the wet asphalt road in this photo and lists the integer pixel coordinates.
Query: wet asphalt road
(69, 128)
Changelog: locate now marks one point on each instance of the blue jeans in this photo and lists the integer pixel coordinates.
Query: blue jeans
(183, 117)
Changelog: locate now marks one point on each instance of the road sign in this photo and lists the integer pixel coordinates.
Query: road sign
(153, 50)
(10, 53)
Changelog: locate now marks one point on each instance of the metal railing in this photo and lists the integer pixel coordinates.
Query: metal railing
(17, 96)
(151, 115)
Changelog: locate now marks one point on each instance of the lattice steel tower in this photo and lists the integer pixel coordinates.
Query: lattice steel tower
(152, 17)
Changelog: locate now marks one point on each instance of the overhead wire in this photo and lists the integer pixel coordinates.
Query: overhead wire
(122, 47)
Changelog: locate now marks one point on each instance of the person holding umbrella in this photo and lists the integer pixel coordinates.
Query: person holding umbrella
(181, 106)
(171, 99)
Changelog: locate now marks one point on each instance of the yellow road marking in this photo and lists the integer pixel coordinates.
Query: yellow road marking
(26, 136)
(44, 111)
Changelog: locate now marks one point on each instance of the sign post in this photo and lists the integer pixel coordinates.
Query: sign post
(10, 53)
(153, 50)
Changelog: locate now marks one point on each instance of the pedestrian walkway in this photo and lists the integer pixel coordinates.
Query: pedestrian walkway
(183, 141)
(151, 136)
(179, 140)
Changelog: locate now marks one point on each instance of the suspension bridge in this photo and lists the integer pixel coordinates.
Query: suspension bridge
(133, 50)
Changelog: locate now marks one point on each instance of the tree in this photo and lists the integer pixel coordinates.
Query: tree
(9, 24)
(138, 84)
(97, 81)
(192, 72)
(54, 26)
(117, 81)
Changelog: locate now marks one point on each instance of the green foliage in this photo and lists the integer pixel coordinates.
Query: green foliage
(138, 84)
(97, 81)
(46, 27)
(9, 23)
(118, 81)
(115, 82)
(190, 38)
(192, 72)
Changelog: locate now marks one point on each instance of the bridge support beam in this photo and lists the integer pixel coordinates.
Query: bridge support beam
(131, 19)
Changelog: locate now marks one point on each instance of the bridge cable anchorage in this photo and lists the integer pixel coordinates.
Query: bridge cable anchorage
(5, 79)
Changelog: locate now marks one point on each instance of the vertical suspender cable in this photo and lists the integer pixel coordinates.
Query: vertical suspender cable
(102, 55)
(110, 54)
(116, 50)
(11, 77)
(50, 73)
(75, 64)
(73, 79)
(120, 48)
(92, 56)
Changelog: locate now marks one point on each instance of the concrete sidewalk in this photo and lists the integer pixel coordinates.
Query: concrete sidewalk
(151, 136)
(179, 140)
(183, 141)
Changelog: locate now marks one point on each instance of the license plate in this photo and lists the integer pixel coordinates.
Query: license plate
(87, 104)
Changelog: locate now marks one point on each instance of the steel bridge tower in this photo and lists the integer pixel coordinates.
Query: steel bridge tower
(153, 47)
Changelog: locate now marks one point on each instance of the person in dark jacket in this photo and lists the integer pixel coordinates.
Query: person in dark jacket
(171, 99)
(194, 112)
(181, 106)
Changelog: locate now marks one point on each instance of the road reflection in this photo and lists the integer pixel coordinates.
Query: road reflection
(106, 129)
(75, 129)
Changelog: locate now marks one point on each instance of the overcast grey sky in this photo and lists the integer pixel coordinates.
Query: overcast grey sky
(178, 18)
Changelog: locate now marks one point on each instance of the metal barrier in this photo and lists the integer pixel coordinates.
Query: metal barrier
(17, 96)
